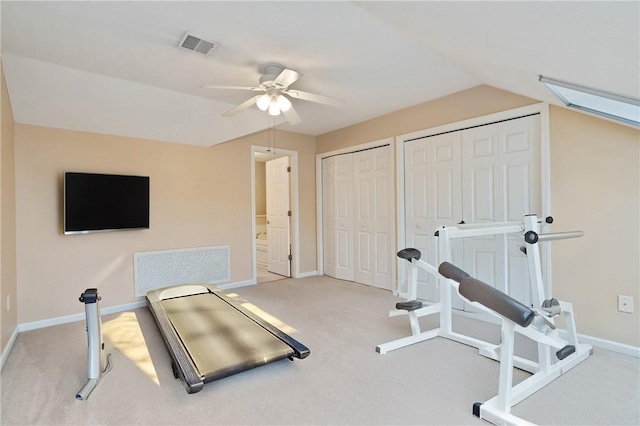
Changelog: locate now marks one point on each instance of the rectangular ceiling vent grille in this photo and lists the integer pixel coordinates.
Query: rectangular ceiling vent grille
(196, 44)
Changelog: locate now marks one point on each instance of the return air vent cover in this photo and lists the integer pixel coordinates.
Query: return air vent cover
(196, 44)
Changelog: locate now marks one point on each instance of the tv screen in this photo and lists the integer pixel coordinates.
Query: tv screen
(99, 202)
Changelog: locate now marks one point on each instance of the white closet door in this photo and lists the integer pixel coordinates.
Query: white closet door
(501, 181)
(278, 219)
(343, 197)
(328, 217)
(433, 199)
(520, 165)
(373, 245)
(483, 200)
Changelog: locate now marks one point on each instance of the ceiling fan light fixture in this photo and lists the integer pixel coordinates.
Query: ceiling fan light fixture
(283, 103)
(274, 109)
(263, 102)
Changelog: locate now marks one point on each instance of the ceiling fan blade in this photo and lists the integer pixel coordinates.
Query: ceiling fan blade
(242, 106)
(286, 78)
(211, 86)
(292, 116)
(312, 97)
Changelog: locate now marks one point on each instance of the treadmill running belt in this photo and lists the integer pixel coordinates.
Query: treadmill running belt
(209, 336)
(220, 340)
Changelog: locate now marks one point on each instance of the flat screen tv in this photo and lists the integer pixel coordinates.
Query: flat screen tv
(100, 202)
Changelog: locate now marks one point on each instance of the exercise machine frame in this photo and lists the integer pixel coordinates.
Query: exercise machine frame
(98, 363)
(543, 330)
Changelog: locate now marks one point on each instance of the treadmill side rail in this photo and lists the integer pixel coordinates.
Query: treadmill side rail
(187, 372)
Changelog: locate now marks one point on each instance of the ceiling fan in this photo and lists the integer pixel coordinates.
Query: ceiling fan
(274, 84)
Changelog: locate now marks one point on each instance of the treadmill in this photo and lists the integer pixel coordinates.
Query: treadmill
(210, 337)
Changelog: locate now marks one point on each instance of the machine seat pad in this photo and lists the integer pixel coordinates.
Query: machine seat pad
(409, 254)
(499, 302)
(452, 272)
(410, 305)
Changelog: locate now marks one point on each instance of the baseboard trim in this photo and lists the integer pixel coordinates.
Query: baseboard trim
(7, 349)
(596, 342)
(28, 326)
(307, 274)
(609, 345)
(237, 284)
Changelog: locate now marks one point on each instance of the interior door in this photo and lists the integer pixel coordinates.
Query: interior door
(278, 219)
(373, 245)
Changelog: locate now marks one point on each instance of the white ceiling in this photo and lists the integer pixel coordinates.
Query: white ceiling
(115, 68)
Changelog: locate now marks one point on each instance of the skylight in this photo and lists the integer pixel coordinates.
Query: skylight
(610, 105)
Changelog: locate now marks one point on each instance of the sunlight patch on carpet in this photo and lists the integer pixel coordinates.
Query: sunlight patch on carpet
(125, 334)
(262, 314)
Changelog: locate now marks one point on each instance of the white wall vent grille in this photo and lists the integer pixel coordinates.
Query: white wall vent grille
(196, 44)
(158, 269)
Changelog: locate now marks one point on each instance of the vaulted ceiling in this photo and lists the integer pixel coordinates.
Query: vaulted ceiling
(115, 68)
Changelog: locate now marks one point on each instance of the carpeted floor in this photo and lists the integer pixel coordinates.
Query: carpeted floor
(343, 381)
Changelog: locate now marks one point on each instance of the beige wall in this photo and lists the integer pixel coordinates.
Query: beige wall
(470, 103)
(595, 186)
(8, 283)
(306, 148)
(261, 188)
(199, 197)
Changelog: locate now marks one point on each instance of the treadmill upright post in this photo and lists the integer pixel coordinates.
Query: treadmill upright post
(96, 360)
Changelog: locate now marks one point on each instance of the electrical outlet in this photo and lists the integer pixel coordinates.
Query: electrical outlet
(625, 303)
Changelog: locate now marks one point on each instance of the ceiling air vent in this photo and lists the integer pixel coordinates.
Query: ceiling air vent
(196, 44)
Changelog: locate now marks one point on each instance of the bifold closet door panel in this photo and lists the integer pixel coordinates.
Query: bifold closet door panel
(343, 199)
(433, 198)
(373, 244)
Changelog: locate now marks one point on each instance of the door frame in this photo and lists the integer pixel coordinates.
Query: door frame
(319, 195)
(541, 108)
(293, 202)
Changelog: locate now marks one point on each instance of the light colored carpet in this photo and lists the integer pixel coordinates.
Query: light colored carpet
(343, 381)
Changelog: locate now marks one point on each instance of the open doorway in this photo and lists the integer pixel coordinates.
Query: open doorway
(275, 204)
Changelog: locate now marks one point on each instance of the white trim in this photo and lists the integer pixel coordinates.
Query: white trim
(28, 326)
(308, 274)
(237, 284)
(319, 157)
(319, 218)
(7, 349)
(537, 108)
(295, 208)
(596, 342)
(401, 269)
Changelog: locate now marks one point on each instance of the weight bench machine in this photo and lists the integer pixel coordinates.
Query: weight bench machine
(515, 317)
(210, 337)
(415, 309)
